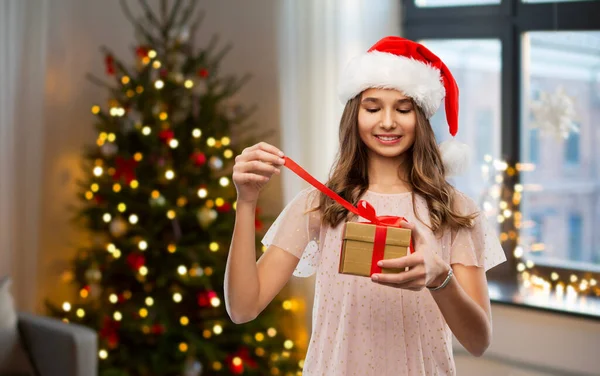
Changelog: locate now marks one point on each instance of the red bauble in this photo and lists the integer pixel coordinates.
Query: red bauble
(244, 355)
(199, 158)
(112, 340)
(224, 208)
(109, 331)
(142, 51)
(157, 329)
(125, 168)
(166, 135)
(136, 261)
(236, 369)
(109, 61)
(99, 199)
(163, 73)
(203, 300)
(203, 72)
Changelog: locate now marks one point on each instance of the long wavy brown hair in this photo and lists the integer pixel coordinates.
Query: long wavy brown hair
(349, 175)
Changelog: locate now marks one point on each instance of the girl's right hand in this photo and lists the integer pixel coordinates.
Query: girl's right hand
(254, 168)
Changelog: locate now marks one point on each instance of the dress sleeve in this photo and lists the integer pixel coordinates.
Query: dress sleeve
(297, 231)
(478, 245)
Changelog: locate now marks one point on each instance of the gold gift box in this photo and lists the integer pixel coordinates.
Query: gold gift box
(357, 248)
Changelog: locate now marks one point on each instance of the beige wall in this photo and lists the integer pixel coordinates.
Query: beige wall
(76, 31)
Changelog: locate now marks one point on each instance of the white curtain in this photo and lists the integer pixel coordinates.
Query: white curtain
(22, 81)
(316, 40)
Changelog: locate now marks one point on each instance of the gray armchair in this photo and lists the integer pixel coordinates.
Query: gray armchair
(58, 349)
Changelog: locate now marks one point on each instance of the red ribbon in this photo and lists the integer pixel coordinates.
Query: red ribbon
(363, 209)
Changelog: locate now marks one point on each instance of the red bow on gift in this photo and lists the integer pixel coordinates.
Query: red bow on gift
(363, 209)
(367, 211)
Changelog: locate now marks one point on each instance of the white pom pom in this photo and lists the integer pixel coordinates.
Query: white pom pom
(456, 157)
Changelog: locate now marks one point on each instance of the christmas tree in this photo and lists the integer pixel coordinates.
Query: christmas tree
(159, 204)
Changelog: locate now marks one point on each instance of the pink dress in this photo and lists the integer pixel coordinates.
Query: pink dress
(362, 328)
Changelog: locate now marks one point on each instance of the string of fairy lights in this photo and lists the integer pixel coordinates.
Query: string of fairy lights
(504, 199)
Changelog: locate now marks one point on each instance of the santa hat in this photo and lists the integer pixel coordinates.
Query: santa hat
(409, 67)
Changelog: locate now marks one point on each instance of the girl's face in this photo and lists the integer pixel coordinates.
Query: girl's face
(386, 122)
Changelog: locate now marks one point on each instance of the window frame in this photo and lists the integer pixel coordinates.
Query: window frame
(506, 21)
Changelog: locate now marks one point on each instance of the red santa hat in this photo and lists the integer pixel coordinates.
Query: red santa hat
(409, 67)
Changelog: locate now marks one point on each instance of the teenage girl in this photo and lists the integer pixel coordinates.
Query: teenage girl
(388, 324)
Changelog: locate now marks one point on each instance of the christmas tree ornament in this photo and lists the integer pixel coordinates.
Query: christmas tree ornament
(93, 275)
(199, 158)
(125, 169)
(203, 72)
(177, 77)
(158, 202)
(157, 329)
(95, 290)
(166, 135)
(239, 359)
(192, 367)
(109, 149)
(224, 208)
(206, 217)
(109, 331)
(142, 51)
(554, 114)
(136, 260)
(118, 227)
(109, 61)
(216, 163)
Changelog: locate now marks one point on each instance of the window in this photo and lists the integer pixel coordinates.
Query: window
(447, 3)
(572, 149)
(486, 129)
(529, 75)
(534, 147)
(563, 132)
(537, 226)
(575, 237)
(476, 66)
(550, 1)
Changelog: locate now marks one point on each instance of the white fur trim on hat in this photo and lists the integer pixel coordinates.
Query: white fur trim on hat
(417, 80)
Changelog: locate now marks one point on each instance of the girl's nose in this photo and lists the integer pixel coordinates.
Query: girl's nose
(387, 122)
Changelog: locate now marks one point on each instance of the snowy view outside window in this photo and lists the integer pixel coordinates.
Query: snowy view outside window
(561, 202)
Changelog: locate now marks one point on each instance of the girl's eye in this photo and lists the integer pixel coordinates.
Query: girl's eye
(404, 111)
(372, 110)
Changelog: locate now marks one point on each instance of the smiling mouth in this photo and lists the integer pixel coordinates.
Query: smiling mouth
(388, 138)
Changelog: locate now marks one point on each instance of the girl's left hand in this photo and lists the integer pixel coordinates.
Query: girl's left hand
(426, 268)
